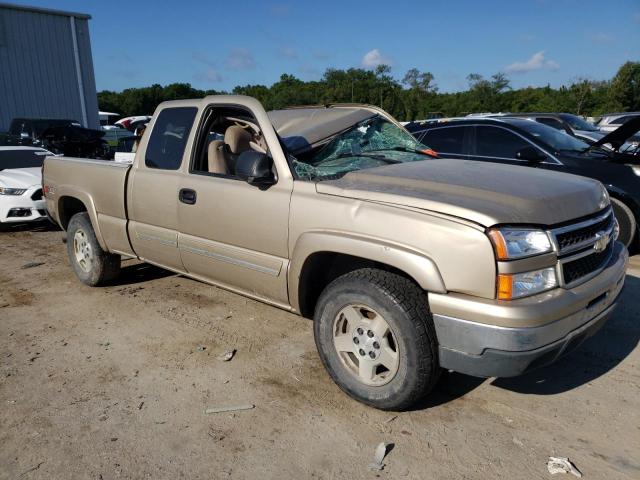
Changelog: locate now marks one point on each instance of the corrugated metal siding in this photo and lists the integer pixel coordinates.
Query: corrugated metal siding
(38, 76)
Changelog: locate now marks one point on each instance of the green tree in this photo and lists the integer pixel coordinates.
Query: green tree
(625, 87)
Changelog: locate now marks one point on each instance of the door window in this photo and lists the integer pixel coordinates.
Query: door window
(445, 139)
(498, 142)
(169, 138)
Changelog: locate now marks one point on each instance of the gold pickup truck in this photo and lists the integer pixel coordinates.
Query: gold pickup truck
(406, 263)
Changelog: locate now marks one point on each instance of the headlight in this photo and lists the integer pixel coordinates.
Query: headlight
(12, 191)
(636, 169)
(512, 243)
(519, 285)
(604, 198)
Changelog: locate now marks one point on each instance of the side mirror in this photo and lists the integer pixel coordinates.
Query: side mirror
(255, 168)
(530, 154)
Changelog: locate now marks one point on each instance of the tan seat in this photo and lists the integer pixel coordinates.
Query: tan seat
(216, 158)
(238, 139)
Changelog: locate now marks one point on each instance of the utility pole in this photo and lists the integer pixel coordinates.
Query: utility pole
(352, 90)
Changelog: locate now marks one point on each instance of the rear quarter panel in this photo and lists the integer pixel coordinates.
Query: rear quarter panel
(100, 186)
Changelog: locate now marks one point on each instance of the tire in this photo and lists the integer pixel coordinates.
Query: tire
(408, 349)
(92, 265)
(626, 220)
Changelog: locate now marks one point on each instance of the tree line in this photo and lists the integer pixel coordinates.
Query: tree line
(415, 96)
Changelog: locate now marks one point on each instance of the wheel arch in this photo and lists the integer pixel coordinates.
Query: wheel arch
(321, 257)
(72, 202)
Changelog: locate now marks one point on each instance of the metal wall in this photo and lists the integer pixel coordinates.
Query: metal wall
(42, 70)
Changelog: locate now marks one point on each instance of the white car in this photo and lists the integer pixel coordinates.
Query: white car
(611, 121)
(21, 184)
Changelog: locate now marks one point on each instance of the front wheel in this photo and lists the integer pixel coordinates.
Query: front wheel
(376, 338)
(92, 265)
(626, 221)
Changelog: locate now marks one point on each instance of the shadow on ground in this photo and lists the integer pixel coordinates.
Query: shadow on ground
(594, 358)
(40, 226)
(140, 273)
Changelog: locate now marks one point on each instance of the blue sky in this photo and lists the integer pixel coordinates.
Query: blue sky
(220, 44)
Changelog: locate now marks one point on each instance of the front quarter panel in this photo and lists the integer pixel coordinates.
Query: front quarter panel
(441, 253)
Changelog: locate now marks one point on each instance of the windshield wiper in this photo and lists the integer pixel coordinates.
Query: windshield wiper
(382, 158)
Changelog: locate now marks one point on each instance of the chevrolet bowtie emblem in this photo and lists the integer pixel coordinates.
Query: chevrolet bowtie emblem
(602, 240)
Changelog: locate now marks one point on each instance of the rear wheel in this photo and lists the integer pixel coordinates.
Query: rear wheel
(92, 265)
(626, 220)
(376, 338)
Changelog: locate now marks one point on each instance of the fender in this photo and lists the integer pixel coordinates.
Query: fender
(414, 263)
(86, 198)
(623, 196)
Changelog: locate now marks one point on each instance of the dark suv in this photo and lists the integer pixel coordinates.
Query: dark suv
(523, 141)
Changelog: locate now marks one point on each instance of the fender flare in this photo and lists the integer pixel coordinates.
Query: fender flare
(410, 261)
(86, 198)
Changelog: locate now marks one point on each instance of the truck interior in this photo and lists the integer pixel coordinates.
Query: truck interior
(227, 132)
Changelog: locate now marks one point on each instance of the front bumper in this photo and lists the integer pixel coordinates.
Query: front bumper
(28, 207)
(494, 350)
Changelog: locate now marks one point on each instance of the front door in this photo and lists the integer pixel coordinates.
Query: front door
(232, 233)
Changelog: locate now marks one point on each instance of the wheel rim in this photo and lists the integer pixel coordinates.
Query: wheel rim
(82, 250)
(366, 345)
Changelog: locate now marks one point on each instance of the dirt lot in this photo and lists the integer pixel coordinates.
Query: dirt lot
(113, 383)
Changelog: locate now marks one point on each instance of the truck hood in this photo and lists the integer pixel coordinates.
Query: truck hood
(485, 193)
(21, 177)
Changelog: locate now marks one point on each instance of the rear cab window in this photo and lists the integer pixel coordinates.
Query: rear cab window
(169, 138)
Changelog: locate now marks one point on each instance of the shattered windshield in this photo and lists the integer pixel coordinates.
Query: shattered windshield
(371, 143)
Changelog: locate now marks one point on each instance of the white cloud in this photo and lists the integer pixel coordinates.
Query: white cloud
(210, 75)
(240, 59)
(536, 62)
(374, 58)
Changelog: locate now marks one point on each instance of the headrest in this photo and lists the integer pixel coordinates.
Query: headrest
(238, 139)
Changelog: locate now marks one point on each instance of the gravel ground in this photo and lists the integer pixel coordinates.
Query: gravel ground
(113, 382)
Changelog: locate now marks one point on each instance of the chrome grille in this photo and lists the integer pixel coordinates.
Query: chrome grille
(574, 270)
(584, 248)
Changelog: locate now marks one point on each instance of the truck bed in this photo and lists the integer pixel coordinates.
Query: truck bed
(100, 185)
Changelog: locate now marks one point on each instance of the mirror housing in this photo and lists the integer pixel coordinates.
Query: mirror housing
(530, 154)
(255, 168)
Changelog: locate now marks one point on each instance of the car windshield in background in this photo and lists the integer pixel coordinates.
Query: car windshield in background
(579, 123)
(22, 158)
(556, 139)
(371, 143)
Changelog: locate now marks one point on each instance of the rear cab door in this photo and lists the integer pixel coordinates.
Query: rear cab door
(152, 194)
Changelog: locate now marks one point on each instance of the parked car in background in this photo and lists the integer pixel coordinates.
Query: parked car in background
(64, 137)
(131, 123)
(21, 184)
(115, 135)
(525, 142)
(572, 124)
(33, 128)
(407, 264)
(610, 121)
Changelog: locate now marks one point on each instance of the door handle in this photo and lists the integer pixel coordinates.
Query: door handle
(187, 196)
